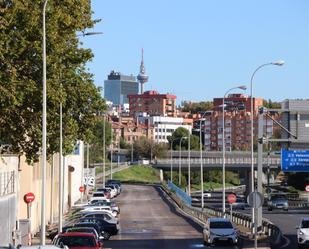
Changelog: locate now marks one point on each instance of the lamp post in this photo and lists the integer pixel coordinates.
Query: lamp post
(104, 120)
(223, 145)
(179, 176)
(112, 147)
(189, 164)
(276, 63)
(201, 161)
(43, 196)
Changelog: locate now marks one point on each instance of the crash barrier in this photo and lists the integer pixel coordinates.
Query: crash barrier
(180, 193)
(268, 229)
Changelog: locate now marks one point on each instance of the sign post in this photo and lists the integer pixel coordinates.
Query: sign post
(255, 200)
(231, 198)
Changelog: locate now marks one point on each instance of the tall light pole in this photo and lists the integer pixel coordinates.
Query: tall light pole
(112, 147)
(61, 171)
(179, 176)
(201, 161)
(189, 164)
(223, 144)
(43, 196)
(276, 63)
(104, 120)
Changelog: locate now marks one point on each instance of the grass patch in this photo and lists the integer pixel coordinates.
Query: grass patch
(138, 174)
(99, 170)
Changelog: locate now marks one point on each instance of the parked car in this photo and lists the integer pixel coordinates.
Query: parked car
(103, 215)
(108, 228)
(113, 190)
(219, 229)
(84, 230)
(77, 240)
(115, 186)
(303, 233)
(99, 209)
(278, 201)
(107, 192)
(99, 194)
(112, 181)
(100, 232)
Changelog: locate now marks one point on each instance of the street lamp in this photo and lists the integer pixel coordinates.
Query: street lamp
(179, 176)
(201, 162)
(276, 63)
(104, 120)
(43, 196)
(223, 145)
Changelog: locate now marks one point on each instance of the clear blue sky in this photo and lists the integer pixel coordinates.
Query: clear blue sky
(198, 49)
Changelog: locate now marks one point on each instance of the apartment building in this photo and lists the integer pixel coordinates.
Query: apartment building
(153, 104)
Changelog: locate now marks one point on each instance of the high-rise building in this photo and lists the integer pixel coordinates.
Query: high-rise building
(142, 77)
(152, 103)
(117, 87)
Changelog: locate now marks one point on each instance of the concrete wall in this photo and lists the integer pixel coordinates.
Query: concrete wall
(8, 198)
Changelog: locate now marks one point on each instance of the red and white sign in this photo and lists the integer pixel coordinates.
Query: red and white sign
(231, 198)
(81, 189)
(307, 188)
(29, 197)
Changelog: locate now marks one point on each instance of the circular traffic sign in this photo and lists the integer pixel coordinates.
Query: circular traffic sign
(307, 188)
(231, 198)
(29, 197)
(255, 199)
(81, 189)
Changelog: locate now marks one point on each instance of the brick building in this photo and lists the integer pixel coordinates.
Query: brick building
(152, 103)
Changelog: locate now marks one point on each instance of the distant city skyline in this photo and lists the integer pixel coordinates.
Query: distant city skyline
(198, 51)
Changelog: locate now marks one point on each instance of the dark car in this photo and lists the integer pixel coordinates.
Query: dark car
(113, 181)
(105, 227)
(53, 233)
(109, 218)
(102, 234)
(77, 240)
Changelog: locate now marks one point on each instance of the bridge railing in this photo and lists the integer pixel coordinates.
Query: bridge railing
(237, 161)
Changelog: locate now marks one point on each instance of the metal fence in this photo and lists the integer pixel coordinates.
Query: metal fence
(180, 193)
(7, 183)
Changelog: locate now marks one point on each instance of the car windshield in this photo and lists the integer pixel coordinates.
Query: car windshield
(305, 224)
(76, 241)
(98, 195)
(221, 224)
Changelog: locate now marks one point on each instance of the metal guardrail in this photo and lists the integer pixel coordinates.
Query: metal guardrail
(216, 160)
(267, 228)
(180, 193)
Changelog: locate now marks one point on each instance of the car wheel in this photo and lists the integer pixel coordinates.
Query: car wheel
(300, 246)
(286, 210)
(270, 209)
(105, 235)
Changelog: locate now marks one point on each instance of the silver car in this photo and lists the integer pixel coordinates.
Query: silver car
(303, 233)
(219, 230)
(278, 201)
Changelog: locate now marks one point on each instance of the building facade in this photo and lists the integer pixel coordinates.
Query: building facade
(117, 87)
(237, 102)
(237, 130)
(165, 126)
(153, 104)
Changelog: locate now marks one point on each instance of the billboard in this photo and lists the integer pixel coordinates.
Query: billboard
(295, 160)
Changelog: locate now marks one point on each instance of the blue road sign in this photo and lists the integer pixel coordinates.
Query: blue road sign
(295, 160)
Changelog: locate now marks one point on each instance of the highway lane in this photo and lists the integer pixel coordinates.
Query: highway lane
(148, 220)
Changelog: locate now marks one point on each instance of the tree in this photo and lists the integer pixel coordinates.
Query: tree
(21, 75)
(183, 132)
(196, 107)
(146, 148)
(271, 105)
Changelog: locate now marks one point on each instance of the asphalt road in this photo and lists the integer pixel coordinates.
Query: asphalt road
(148, 220)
